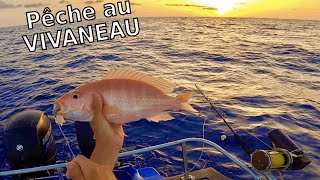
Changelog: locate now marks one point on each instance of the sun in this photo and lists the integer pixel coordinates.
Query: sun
(223, 6)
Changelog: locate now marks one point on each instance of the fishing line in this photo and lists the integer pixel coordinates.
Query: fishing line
(203, 126)
(280, 175)
(201, 114)
(182, 119)
(258, 139)
(67, 142)
(64, 136)
(203, 134)
(223, 116)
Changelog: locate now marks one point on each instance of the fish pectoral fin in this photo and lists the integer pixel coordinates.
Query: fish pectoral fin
(160, 117)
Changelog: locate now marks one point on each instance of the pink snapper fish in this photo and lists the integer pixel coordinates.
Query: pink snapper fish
(127, 96)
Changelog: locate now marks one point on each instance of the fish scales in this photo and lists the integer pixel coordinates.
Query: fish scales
(127, 96)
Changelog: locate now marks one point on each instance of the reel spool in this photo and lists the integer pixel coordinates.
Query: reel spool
(287, 155)
(266, 160)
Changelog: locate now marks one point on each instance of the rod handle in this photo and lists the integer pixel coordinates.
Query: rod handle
(241, 141)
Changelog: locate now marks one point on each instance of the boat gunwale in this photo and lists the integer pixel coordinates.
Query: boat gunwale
(144, 150)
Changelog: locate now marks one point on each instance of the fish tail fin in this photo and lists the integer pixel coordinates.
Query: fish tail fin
(183, 99)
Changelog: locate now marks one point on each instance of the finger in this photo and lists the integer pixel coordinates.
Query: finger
(97, 105)
(118, 130)
(87, 166)
(74, 172)
(98, 123)
(82, 162)
(97, 108)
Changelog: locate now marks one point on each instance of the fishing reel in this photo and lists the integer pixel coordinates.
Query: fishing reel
(286, 155)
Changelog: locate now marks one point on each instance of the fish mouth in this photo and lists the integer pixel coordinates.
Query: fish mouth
(58, 106)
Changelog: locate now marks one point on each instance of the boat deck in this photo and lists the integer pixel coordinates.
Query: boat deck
(203, 174)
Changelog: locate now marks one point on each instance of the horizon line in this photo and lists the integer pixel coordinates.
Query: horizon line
(271, 18)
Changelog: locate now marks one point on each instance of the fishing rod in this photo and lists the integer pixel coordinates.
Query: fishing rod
(240, 140)
(285, 155)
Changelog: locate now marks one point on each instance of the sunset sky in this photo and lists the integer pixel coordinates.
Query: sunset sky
(12, 12)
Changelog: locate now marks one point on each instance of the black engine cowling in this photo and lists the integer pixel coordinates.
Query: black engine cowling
(85, 138)
(28, 141)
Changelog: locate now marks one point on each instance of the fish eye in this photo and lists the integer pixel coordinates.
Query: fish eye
(75, 95)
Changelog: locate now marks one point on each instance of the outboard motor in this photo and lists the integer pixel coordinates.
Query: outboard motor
(28, 142)
(286, 155)
(85, 138)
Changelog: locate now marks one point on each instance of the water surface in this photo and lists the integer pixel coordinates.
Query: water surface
(263, 73)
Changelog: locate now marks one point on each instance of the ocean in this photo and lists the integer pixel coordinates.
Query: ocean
(262, 73)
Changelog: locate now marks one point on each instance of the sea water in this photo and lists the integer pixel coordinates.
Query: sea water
(263, 73)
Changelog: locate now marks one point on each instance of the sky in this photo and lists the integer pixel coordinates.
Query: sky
(12, 12)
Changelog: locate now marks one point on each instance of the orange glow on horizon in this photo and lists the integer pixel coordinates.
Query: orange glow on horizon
(290, 9)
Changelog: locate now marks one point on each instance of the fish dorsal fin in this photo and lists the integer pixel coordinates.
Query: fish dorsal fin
(126, 73)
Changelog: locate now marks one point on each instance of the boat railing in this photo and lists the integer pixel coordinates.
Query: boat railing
(147, 149)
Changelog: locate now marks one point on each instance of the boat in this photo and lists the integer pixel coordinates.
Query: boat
(149, 173)
(18, 130)
(30, 150)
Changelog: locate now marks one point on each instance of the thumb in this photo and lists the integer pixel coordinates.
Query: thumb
(89, 169)
(98, 122)
(74, 172)
(97, 105)
(83, 162)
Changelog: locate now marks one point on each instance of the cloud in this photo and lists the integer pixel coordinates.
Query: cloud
(211, 8)
(34, 5)
(89, 2)
(92, 2)
(241, 3)
(4, 5)
(99, 1)
(63, 1)
(136, 4)
(186, 5)
(192, 5)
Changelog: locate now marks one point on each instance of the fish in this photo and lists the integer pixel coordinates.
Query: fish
(127, 96)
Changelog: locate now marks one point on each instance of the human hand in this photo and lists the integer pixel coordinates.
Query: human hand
(81, 168)
(109, 137)
(109, 140)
